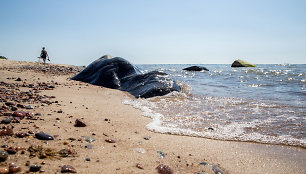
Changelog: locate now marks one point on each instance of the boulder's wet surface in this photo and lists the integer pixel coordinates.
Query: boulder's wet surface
(118, 73)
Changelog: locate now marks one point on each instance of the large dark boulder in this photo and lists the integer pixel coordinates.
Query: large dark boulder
(118, 73)
(242, 63)
(196, 68)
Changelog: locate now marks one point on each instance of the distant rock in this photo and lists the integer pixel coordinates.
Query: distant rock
(118, 73)
(196, 68)
(242, 63)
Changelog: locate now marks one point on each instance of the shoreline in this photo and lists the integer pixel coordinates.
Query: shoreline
(107, 118)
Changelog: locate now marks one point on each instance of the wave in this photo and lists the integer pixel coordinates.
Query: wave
(264, 104)
(215, 123)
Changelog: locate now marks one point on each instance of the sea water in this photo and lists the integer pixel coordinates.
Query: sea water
(264, 104)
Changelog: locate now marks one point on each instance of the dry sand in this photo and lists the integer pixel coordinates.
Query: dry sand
(101, 109)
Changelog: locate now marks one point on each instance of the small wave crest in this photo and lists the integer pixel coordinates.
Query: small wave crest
(218, 118)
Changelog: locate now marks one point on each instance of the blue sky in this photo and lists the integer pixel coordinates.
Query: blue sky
(155, 31)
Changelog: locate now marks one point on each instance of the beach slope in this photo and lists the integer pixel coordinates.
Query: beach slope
(110, 137)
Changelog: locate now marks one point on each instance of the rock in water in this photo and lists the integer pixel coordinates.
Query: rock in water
(118, 73)
(196, 68)
(242, 63)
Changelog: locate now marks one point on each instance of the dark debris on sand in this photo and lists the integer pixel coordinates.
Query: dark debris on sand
(50, 69)
(16, 108)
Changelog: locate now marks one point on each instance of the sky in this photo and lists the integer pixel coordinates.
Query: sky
(77, 32)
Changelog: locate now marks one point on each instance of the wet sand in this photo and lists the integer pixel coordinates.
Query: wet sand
(120, 141)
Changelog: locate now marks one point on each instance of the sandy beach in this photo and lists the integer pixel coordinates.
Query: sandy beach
(114, 138)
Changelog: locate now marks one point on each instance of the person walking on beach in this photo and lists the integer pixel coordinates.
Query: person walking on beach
(44, 55)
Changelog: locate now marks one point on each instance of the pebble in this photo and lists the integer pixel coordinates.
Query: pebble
(71, 139)
(20, 114)
(30, 107)
(30, 132)
(7, 131)
(17, 119)
(87, 159)
(68, 169)
(217, 170)
(20, 106)
(30, 114)
(147, 138)
(13, 108)
(9, 103)
(4, 170)
(164, 169)
(89, 139)
(89, 146)
(43, 136)
(27, 163)
(79, 123)
(6, 121)
(139, 166)
(7, 114)
(21, 134)
(35, 168)
(3, 155)
(13, 168)
(140, 150)
(110, 141)
(204, 163)
(11, 150)
(162, 154)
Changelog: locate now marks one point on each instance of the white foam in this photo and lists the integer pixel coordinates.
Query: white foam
(142, 104)
(232, 131)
